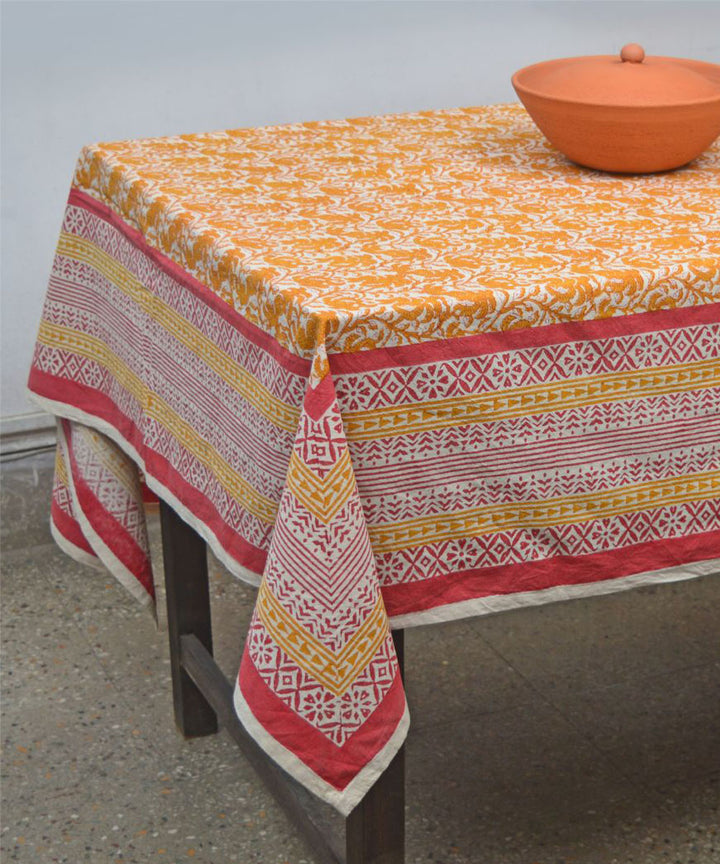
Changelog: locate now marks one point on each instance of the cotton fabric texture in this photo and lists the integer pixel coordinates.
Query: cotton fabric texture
(394, 370)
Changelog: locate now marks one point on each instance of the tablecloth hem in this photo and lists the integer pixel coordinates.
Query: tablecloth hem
(343, 800)
(507, 602)
(104, 554)
(61, 409)
(73, 551)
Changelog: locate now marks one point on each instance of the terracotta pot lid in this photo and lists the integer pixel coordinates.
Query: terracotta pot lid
(630, 79)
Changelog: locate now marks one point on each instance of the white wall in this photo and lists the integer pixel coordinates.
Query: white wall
(73, 73)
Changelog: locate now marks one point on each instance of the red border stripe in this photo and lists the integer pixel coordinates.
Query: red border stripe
(507, 579)
(69, 529)
(336, 765)
(527, 337)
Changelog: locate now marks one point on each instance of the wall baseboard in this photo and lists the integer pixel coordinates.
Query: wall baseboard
(27, 432)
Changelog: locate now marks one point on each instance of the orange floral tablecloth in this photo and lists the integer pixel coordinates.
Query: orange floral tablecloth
(394, 370)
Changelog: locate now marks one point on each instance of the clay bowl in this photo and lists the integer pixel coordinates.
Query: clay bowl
(629, 114)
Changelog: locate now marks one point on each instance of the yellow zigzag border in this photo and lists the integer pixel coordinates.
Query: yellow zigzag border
(324, 498)
(335, 671)
(403, 534)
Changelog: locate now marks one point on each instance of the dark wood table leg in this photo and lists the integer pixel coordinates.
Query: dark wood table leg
(375, 830)
(188, 610)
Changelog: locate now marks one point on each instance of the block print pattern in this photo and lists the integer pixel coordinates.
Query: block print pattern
(422, 390)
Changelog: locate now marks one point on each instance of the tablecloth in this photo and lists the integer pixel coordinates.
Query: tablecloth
(394, 370)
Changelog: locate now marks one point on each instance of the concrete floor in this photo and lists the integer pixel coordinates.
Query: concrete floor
(585, 732)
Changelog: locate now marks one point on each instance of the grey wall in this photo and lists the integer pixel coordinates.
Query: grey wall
(74, 72)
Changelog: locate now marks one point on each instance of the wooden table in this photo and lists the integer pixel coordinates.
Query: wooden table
(394, 370)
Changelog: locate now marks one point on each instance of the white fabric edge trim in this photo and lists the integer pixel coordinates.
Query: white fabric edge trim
(113, 564)
(344, 801)
(75, 552)
(506, 602)
(60, 409)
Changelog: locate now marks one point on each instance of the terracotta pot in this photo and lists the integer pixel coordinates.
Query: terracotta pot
(631, 114)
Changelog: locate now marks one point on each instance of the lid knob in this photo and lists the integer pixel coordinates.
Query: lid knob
(632, 53)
